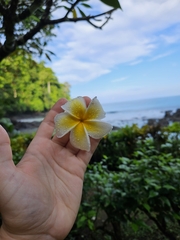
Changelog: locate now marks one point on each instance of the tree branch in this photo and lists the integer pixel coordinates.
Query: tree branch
(11, 44)
(48, 9)
(166, 233)
(107, 20)
(8, 24)
(100, 27)
(28, 11)
(87, 18)
(43, 22)
(2, 10)
(29, 35)
(38, 27)
(72, 7)
(13, 6)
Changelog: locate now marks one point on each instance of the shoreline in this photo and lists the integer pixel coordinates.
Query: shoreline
(31, 126)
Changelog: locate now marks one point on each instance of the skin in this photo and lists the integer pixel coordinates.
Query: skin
(40, 197)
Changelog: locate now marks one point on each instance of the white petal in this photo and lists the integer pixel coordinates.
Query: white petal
(76, 107)
(94, 110)
(97, 129)
(79, 138)
(64, 123)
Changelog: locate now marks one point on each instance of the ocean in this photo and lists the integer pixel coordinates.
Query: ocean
(133, 112)
(127, 113)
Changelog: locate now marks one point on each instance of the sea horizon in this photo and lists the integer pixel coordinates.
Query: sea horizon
(133, 112)
(139, 111)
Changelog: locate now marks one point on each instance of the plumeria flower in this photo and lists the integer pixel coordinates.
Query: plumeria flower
(82, 122)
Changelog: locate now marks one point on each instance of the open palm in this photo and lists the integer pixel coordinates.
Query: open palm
(40, 197)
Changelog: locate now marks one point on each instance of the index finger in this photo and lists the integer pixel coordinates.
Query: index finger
(46, 128)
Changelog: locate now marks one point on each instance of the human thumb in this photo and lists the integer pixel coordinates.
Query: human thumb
(5, 148)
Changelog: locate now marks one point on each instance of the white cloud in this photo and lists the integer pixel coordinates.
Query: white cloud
(119, 79)
(170, 39)
(161, 56)
(85, 53)
(135, 62)
(74, 71)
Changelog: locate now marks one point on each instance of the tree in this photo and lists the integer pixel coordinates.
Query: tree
(28, 86)
(29, 24)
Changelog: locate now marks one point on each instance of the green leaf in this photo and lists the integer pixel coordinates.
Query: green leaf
(86, 5)
(135, 226)
(81, 12)
(74, 13)
(81, 221)
(147, 207)
(112, 3)
(166, 201)
(51, 52)
(153, 194)
(169, 187)
(90, 225)
(48, 57)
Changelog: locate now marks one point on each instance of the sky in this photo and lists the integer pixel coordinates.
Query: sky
(135, 56)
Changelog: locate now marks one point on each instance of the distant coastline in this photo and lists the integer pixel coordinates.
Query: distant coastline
(22, 124)
(140, 111)
(163, 111)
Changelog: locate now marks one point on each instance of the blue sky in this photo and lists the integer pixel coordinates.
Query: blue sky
(135, 56)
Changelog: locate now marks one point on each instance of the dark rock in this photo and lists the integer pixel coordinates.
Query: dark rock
(168, 114)
(115, 128)
(152, 122)
(26, 125)
(169, 117)
(164, 122)
(177, 113)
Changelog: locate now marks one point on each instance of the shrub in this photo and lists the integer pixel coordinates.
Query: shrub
(7, 124)
(133, 185)
(19, 144)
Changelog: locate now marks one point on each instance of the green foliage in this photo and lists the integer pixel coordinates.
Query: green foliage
(7, 124)
(19, 144)
(28, 86)
(112, 3)
(127, 140)
(174, 128)
(134, 185)
(29, 24)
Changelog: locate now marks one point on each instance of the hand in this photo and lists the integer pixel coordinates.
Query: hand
(40, 197)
